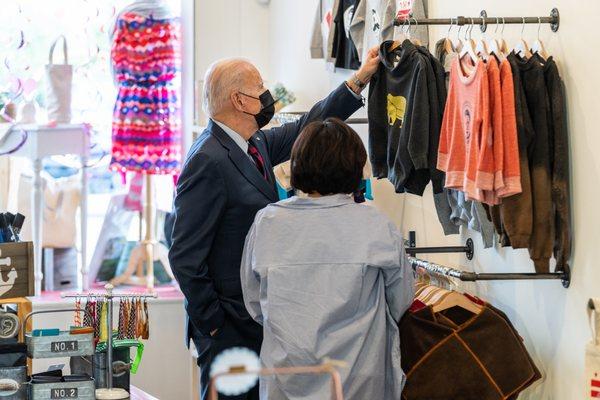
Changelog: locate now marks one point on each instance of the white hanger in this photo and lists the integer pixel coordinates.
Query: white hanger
(493, 45)
(448, 45)
(459, 44)
(481, 49)
(416, 41)
(538, 46)
(469, 47)
(522, 48)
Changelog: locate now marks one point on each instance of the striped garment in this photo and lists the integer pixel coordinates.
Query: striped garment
(146, 130)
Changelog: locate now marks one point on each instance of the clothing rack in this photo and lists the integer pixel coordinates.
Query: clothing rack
(483, 20)
(465, 276)
(110, 296)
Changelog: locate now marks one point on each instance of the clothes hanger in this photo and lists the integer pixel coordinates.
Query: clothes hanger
(415, 41)
(469, 47)
(493, 45)
(448, 45)
(503, 45)
(426, 293)
(482, 49)
(522, 48)
(538, 46)
(396, 44)
(459, 43)
(456, 299)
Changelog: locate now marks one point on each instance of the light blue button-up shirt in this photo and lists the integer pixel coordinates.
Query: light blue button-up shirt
(327, 277)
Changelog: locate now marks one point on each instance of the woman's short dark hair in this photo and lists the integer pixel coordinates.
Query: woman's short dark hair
(328, 158)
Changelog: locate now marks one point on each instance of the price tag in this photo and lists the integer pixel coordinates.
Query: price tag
(68, 393)
(60, 347)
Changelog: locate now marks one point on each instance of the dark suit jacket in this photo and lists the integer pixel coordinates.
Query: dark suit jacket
(219, 192)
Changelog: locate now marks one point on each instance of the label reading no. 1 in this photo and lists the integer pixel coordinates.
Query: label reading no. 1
(59, 347)
(63, 393)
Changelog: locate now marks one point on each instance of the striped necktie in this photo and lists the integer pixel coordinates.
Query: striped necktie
(258, 160)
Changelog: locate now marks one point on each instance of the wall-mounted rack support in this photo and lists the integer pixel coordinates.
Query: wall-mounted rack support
(483, 20)
(412, 250)
(564, 275)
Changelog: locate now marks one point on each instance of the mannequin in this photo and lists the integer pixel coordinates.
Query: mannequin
(146, 122)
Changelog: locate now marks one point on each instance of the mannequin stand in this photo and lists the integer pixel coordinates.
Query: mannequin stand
(147, 251)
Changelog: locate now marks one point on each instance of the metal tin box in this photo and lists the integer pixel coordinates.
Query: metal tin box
(83, 390)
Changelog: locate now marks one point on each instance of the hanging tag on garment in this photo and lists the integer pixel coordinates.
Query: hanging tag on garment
(592, 351)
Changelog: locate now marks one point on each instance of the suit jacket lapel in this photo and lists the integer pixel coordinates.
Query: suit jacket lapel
(243, 162)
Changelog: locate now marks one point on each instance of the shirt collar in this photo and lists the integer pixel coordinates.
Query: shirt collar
(237, 138)
(335, 200)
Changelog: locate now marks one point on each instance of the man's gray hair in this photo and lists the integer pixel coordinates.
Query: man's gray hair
(221, 79)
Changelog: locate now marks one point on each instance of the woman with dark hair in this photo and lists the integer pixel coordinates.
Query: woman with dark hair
(327, 277)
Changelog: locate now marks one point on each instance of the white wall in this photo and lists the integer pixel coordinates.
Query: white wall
(230, 28)
(552, 320)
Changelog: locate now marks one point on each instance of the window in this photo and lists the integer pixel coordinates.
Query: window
(29, 28)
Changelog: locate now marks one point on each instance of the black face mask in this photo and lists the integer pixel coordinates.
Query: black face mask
(267, 109)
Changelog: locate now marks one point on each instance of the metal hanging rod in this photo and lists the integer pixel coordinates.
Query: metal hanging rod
(468, 249)
(483, 20)
(357, 121)
(412, 250)
(564, 275)
(105, 295)
(291, 116)
(465, 276)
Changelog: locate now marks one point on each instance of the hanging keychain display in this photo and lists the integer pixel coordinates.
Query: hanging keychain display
(132, 311)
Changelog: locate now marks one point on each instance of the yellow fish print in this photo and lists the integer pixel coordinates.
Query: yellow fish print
(396, 107)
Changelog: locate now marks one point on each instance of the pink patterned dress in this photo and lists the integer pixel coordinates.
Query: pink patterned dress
(146, 129)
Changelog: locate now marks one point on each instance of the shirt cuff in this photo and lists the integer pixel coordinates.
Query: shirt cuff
(358, 96)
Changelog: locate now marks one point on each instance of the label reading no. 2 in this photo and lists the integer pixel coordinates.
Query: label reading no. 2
(63, 393)
(59, 347)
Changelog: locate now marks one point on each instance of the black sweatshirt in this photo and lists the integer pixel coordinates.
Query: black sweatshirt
(538, 151)
(513, 219)
(418, 180)
(437, 107)
(344, 51)
(399, 117)
(559, 162)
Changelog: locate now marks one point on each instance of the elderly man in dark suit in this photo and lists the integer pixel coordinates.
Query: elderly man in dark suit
(228, 177)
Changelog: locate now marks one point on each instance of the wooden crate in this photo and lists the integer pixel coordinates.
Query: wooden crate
(16, 270)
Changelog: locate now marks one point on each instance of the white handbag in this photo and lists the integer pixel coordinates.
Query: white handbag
(59, 81)
(592, 353)
(61, 201)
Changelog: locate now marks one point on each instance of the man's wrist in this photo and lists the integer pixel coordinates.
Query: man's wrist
(357, 82)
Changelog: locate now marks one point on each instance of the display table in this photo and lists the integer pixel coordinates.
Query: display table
(167, 368)
(44, 141)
